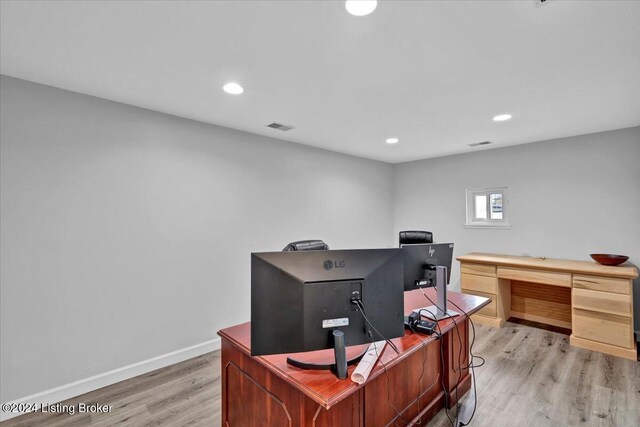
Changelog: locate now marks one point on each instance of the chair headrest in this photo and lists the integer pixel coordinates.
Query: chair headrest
(413, 237)
(306, 245)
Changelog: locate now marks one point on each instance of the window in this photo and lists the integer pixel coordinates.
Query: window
(487, 208)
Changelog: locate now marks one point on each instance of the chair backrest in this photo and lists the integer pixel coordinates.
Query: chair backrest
(306, 245)
(413, 237)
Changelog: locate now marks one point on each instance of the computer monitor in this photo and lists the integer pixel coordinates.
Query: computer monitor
(298, 300)
(420, 262)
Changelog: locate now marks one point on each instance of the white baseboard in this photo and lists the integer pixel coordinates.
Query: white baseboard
(95, 382)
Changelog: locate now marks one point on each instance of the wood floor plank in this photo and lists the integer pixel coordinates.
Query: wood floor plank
(532, 377)
(123, 417)
(565, 386)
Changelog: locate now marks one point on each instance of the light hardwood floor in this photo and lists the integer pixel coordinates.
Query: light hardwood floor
(532, 377)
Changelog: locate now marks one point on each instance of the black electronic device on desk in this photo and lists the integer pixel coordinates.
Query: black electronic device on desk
(414, 323)
(314, 300)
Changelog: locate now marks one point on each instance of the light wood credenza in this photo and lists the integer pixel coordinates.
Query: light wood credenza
(593, 300)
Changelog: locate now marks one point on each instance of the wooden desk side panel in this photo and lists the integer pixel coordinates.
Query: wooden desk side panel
(254, 396)
(406, 389)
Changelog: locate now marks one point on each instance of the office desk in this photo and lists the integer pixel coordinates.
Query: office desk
(594, 301)
(264, 390)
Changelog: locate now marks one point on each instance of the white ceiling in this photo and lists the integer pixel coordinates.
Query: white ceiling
(431, 73)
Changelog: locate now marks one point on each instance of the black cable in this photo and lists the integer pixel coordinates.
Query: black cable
(361, 309)
(442, 364)
(384, 370)
(399, 415)
(458, 371)
(473, 340)
(424, 361)
(440, 335)
(360, 306)
(386, 375)
(442, 367)
(473, 327)
(471, 365)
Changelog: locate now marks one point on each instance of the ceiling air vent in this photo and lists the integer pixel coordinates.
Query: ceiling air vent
(477, 144)
(279, 126)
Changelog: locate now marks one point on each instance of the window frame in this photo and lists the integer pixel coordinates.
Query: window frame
(473, 222)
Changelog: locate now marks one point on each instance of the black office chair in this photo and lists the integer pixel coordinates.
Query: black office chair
(306, 245)
(415, 237)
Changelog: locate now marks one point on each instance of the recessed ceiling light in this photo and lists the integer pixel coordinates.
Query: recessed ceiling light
(233, 88)
(360, 7)
(501, 117)
(392, 140)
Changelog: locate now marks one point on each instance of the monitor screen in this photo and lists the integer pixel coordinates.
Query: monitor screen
(420, 261)
(299, 298)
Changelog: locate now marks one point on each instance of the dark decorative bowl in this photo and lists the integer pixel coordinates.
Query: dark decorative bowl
(609, 259)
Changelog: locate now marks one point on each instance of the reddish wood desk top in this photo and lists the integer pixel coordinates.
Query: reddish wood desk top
(323, 386)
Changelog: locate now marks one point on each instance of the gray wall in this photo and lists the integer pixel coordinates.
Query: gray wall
(126, 233)
(567, 198)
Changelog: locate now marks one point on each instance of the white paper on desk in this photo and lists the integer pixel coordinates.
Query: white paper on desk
(367, 362)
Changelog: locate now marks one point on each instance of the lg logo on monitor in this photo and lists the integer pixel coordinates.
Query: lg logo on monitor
(328, 264)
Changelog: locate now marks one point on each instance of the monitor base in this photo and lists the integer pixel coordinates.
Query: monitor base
(433, 313)
(340, 352)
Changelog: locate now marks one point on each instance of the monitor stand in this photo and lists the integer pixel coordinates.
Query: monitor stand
(439, 311)
(340, 352)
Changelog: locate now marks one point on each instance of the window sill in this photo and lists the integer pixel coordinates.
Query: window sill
(502, 226)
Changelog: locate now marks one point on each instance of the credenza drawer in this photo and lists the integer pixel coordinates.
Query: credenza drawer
(602, 327)
(489, 309)
(604, 302)
(485, 284)
(535, 276)
(599, 283)
(479, 269)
